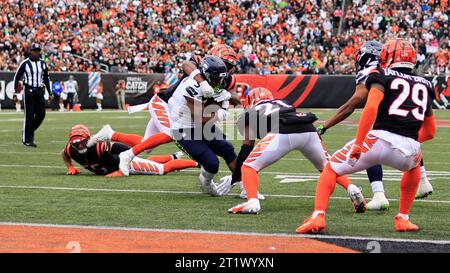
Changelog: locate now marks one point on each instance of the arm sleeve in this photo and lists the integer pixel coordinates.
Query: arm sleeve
(369, 114)
(243, 154)
(18, 76)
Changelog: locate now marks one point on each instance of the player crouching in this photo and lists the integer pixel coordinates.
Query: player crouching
(281, 129)
(399, 108)
(103, 157)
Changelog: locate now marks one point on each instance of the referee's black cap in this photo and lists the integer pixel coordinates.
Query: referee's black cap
(35, 47)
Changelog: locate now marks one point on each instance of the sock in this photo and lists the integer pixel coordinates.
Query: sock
(325, 188)
(250, 182)
(151, 142)
(206, 176)
(161, 158)
(404, 216)
(99, 106)
(18, 107)
(317, 212)
(408, 188)
(377, 186)
(423, 171)
(179, 164)
(127, 139)
(344, 181)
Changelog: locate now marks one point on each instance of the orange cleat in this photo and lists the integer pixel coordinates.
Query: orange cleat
(312, 225)
(402, 225)
(115, 174)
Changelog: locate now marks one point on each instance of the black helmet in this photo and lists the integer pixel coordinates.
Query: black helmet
(369, 54)
(213, 70)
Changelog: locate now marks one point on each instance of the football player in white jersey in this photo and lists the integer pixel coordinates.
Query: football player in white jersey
(193, 124)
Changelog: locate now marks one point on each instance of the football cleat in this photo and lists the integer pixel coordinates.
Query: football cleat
(312, 225)
(30, 144)
(177, 155)
(378, 202)
(402, 225)
(425, 188)
(357, 198)
(125, 160)
(103, 135)
(115, 174)
(243, 194)
(252, 206)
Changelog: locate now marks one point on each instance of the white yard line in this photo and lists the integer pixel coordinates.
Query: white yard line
(186, 192)
(193, 231)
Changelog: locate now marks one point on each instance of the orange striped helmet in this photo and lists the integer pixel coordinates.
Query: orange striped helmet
(257, 95)
(79, 133)
(398, 53)
(227, 54)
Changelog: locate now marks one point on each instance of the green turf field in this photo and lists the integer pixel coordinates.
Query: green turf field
(35, 189)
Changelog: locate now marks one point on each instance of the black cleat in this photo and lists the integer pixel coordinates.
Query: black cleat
(30, 144)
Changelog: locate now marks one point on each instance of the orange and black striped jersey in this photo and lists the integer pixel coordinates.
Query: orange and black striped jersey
(102, 158)
(275, 116)
(407, 100)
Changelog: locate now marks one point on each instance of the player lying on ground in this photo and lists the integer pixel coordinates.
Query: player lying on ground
(368, 59)
(158, 131)
(103, 157)
(399, 108)
(281, 129)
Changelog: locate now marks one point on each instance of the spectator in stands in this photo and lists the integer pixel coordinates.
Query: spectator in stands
(272, 36)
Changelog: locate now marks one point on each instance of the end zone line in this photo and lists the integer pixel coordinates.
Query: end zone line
(192, 192)
(193, 231)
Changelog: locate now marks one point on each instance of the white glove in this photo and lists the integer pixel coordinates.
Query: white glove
(206, 89)
(224, 95)
(221, 114)
(225, 185)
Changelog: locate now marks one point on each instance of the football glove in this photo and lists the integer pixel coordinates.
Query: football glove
(321, 129)
(222, 96)
(355, 154)
(72, 171)
(206, 89)
(225, 185)
(221, 115)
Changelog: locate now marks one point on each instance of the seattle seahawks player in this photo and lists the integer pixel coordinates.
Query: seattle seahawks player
(367, 59)
(193, 124)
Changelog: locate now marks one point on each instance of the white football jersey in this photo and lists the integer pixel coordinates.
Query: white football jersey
(180, 115)
(362, 75)
(70, 86)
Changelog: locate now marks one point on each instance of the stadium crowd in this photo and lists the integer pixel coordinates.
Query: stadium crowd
(271, 36)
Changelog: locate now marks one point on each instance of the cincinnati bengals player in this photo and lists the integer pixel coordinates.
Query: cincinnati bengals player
(281, 129)
(399, 108)
(367, 59)
(103, 157)
(157, 131)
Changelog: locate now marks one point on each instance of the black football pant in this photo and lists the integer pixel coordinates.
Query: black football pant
(34, 105)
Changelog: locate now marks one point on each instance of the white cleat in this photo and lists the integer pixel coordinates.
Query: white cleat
(209, 188)
(252, 206)
(378, 202)
(125, 160)
(177, 155)
(243, 194)
(357, 198)
(425, 188)
(105, 134)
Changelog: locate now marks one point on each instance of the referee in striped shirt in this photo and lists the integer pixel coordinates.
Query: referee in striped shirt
(34, 72)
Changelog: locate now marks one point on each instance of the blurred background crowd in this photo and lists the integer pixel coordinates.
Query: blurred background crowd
(271, 36)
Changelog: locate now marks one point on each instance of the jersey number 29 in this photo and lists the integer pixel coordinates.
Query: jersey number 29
(419, 96)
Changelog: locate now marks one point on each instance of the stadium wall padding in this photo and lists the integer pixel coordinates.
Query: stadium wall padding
(304, 91)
